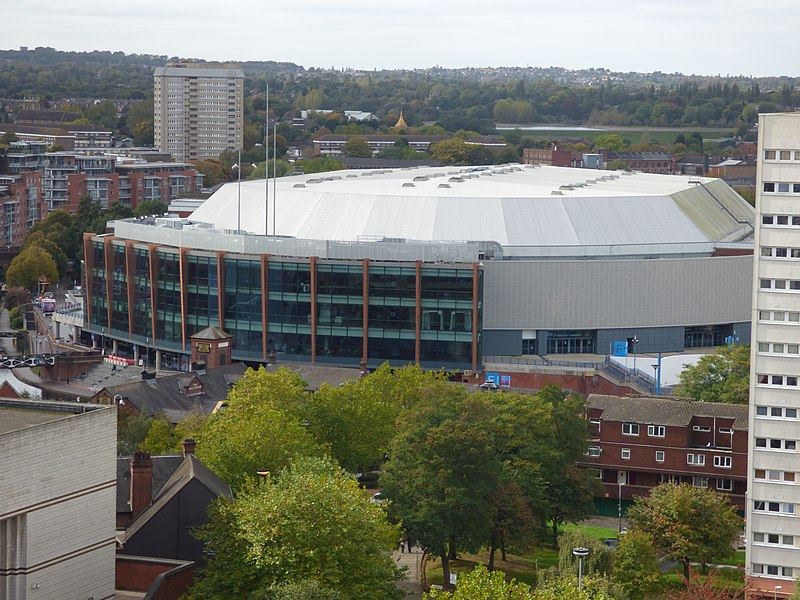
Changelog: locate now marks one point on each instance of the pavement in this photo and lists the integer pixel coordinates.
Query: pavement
(410, 559)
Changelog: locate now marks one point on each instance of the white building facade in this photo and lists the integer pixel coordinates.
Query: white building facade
(57, 506)
(198, 110)
(773, 504)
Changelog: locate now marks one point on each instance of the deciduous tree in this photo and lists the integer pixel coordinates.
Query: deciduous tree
(307, 522)
(636, 566)
(482, 584)
(442, 471)
(29, 266)
(720, 377)
(687, 524)
(259, 429)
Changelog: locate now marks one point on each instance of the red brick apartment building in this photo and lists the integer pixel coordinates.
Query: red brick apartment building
(641, 442)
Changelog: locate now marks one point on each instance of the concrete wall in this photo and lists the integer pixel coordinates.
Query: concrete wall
(60, 478)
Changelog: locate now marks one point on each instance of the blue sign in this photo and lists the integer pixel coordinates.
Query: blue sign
(505, 380)
(493, 378)
(620, 348)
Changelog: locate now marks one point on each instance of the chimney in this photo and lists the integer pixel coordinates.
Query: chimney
(188, 446)
(141, 482)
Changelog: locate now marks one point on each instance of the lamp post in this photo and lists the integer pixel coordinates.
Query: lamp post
(581, 553)
(619, 505)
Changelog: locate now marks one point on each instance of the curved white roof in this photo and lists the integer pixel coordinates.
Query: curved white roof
(514, 206)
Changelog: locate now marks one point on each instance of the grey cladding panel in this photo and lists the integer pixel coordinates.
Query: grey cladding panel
(606, 294)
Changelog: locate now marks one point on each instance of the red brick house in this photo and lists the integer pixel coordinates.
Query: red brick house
(638, 443)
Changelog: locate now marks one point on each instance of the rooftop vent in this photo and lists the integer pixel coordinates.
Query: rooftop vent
(299, 185)
(456, 180)
(444, 185)
(421, 178)
(314, 180)
(556, 193)
(351, 175)
(408, 184)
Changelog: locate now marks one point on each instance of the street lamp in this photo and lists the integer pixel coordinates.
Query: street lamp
(581, 553)
(777, 587)
(619, 505)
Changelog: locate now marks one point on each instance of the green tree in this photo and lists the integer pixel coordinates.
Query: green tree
(355, 423)
(454, 151)
(636, 565)
(566, 588)
(482, 584)
(687, 524)
(131, 432)
(7, 138)
(598, 562)
(723, 376)
(357, 147)
(309, 521)
(161, 438)
(612, 142)
(29, 266)
(16, 296)
(259, 429)
(320, 164)
(442, 471)
(39, 238)
(301, 590)
(150, 207)
(213, 169)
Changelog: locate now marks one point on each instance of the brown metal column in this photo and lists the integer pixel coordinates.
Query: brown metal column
(182, 270)
(108, 254)
(264, 304)
(130, 271)
(152, 255)
(365, 312)
(221, 288)
(418, 315)
(88, 264)
(475, 291)
(313, 309)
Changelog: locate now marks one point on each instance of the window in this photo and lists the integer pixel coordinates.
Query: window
(625, 454)
(702, 428)
(724, 462)
(725, 485)
(696, 459)
(630, 429)
(725, 430)
(700, 482)
(660, 457)
(656, 430)
(592, 451)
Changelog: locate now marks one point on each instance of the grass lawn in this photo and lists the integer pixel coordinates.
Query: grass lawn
(522, 568)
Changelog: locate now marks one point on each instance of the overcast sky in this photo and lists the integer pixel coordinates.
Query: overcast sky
(709, 37)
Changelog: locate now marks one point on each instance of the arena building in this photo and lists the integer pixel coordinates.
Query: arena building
(440, 266)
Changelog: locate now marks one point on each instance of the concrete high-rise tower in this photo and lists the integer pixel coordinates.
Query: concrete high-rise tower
(198, 109)
(773, 502)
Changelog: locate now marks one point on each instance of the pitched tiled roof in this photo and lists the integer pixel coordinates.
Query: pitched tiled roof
(163, 468)
(664, 411)
(189, 469)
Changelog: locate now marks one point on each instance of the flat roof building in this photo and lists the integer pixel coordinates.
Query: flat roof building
(198, 110)
(441, 266)
(57, 506)
(773, 526)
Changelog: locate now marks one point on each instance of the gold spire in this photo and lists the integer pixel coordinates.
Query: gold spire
(401, 122)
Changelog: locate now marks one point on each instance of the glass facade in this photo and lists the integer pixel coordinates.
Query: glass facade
(243, 304)
(392, 313)
(340, 310)
(314, 308)
(168, 299)
(446, 315)
(289, 308)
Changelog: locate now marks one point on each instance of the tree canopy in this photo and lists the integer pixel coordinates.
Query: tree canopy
(29, 266)
(687, 524)
(720, 377)
(309, 521)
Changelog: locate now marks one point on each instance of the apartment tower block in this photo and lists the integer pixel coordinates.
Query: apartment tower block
(773, 502)
(198, 110)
